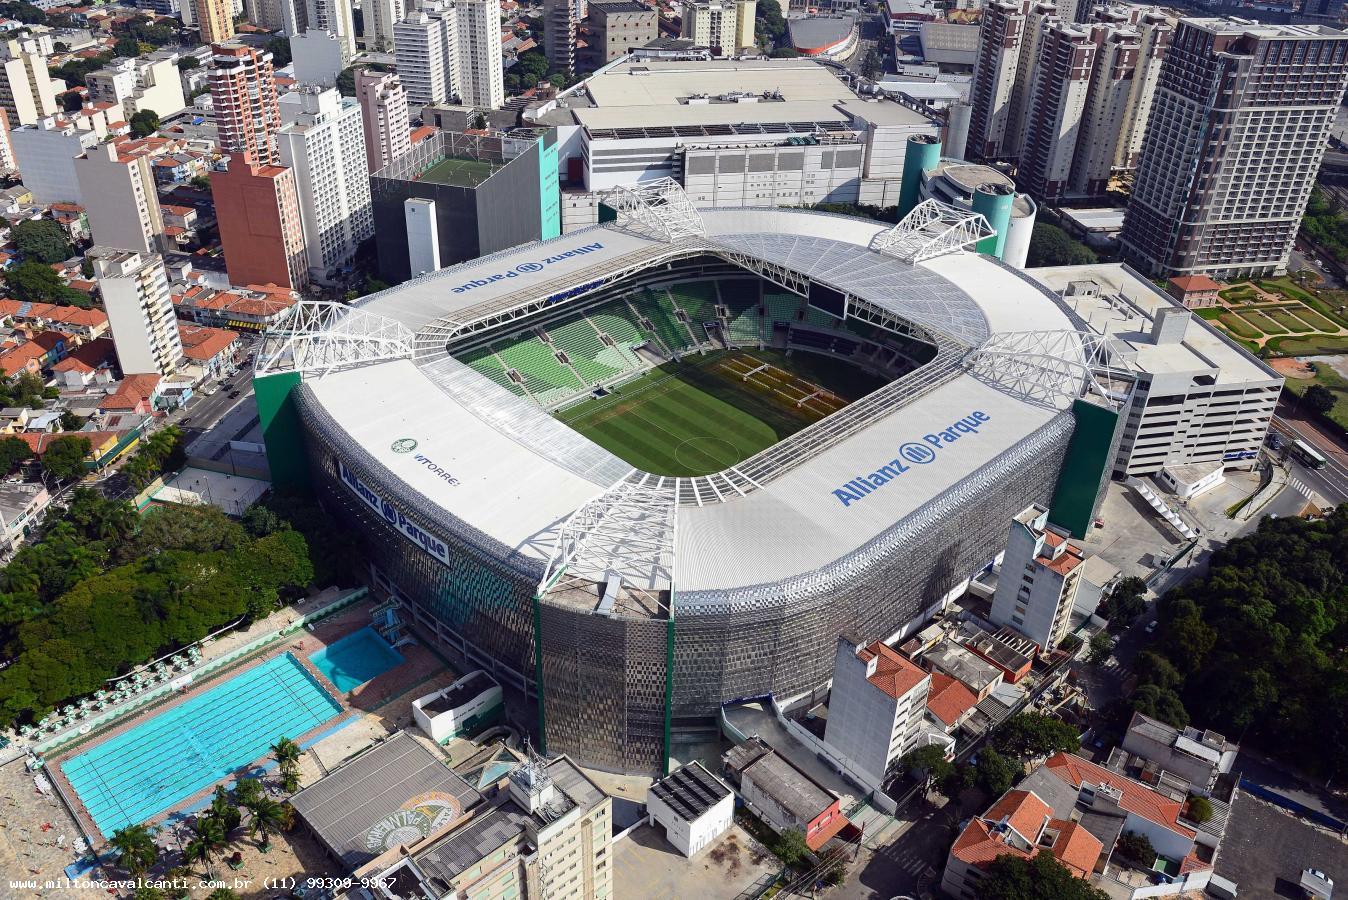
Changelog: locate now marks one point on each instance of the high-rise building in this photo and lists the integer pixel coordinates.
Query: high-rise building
(27, 92)
(137, 84)
(1039, 579)
(258, 211)
(619, 27)
(294, 17)
(1038, 16)
(999, 43)
(379, 17)
(1060, 82)
(136, 297)
(334, 17)
(243, 94)
(119, 196)
(266, 14)
(451, 53)
(318, 57)
(214, 19)
(384, 114)
(559, 34)
(45, 156)
(1238, 128)
(323, 141)
(875, 710)
(723, 25)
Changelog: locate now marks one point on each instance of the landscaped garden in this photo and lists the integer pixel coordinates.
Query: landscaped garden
(1282, 317)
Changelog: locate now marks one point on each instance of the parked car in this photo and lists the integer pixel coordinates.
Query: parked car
(1316, 884)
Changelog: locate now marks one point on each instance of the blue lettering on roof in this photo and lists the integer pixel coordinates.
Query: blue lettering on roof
(908, 455)
(527, 268)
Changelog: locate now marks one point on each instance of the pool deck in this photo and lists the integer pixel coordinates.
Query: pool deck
(419, 664)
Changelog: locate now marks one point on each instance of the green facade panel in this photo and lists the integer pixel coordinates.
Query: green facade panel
(1089, 455)
(281, 430)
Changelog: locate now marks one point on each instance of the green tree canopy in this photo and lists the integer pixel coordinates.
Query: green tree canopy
(35, 282)
(26, 13)
(769, 23)
(1041, 878)
(187, 63)
(42, 240)
(1319, 398)
(1101, 646)
(1031, 735)
(127, 46)
(1051, 246)
(144, 123)
(64, 457)
(279, 47)
(995, 772)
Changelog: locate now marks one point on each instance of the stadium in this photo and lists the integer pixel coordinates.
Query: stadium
(661, 464)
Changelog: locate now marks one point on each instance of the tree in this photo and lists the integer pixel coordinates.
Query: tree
(12, 452)
(1136, 847)
(35, 282)
(144, 123)
(248, 791)
(1160, 703)
(223, 893)
(26, 13)
(70, 421)
(1011, 877)
(208, 837)
(287, 755)
(995, 772)
(870, 64)
(1051, 246)
(135, 847)
(279, 47)
(1319, 398)
(71, 101)
(938, 773)
(269, 817)
(188, 63)
(1032, 735)
(1101, 646)
(127, 46)
(42, 240)
(790, 846)
(785, 53)
(223, 808)
(64, 457)
(1070, 644)
(1199, 809)
(346, 82)
(769, 23)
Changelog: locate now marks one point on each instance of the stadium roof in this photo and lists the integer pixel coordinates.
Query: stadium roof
(500, 471)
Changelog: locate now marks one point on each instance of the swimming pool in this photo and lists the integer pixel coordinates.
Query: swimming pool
(156, 765)
(355, 659)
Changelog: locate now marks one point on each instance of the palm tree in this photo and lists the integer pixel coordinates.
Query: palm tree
(269, 817)
(247, 791)
(137, 848)
(210, 837)
(286, 751)
(223, 808)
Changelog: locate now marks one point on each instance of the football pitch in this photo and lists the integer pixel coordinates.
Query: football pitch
(703, 415)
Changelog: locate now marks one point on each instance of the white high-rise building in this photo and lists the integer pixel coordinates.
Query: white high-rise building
(1038, 580)
(448, 52)
(876, 707)
(27, 92)
(136, 297)
(723, 25)
(384, 113)
(294, 17)
(1061, 81)
(139, 84)
(380, 16)
(45, 156)
(318, 56)
(323, 141)
(334, 17)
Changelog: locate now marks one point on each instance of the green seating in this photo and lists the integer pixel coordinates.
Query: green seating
(780, 306)
(484, 362)
(660, 310)
(697, 299)
(546, 379)
(818, 317)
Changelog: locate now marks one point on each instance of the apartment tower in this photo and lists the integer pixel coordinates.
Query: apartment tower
(1238, 128)
(379, 17)
(999, 42)
(214, 19)
(1060, 83)
(1039, 579)
(27, 92)
(258, 212)
(559, 35)
(136, 297)
(120, 198)
(243, 93)
(384, 114)
(451, 53)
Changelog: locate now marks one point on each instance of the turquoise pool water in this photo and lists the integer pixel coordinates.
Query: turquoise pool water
(355, 659)
(156, 765)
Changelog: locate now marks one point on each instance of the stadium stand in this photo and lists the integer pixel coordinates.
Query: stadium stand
(818, 317)
(544, 377)
(615, 320)
(746, 324)
(589, 355)
(781, 306)
(697, 299)
(483, 361)
(659, 308)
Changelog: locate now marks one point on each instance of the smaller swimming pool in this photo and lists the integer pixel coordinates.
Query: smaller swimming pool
(355, 659)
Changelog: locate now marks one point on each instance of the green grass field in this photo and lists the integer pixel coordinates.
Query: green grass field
(685, 419)
(459, 172)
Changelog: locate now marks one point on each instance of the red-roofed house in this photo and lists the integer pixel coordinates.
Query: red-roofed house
(949, 702)
(1021, 824)
(785, 796)
(135, 394)
(875, 708)
(1194, 291)
(213, 349)
(26, 357)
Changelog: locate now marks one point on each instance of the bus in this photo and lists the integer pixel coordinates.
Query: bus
(1307, 455)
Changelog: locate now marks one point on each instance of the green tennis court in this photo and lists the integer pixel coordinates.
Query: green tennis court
(684, 419)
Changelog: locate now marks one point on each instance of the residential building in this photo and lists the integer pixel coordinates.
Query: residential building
(84, 324)
(949, 702)
(21, 508)
(257, 209)
(294, 16)
(8, 161)
(323, 142)
(213, 350)
(243, 97)
(1001, 33)
(559, 34)
(1060, 82)
(451, 53)
(1194, 291)
(1238, 128)
(119, 196)
(692, 805)
(1039, 579)
(782, 795)
(138, 84)
(214, 19)
(27, 91)
(140, 311)
(1192, 395)
(385, 117)
(949, 657)
(723, 25)
(265, 14)
(45, 154)
(254, 309)
(380, 16)
(1152, 750)
(875, 707)
(318, 57)
(1019, 824)
(334, 17)
(619, 26)
(428, 215)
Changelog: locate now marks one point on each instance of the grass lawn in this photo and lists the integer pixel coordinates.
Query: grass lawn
(1211, 313)
(1337, 385)
(1314, 319)
(1263, 323)
(684, 419)
(1287, 287)
(1310, 345)
(1288, 321)
(1238, 294)
(1238, 326)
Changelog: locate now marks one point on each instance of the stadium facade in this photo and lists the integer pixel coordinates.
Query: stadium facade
(633, 605)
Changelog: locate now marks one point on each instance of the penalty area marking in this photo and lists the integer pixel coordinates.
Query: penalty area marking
(700, 445)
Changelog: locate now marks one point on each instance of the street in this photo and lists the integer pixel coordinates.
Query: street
(1331, 482)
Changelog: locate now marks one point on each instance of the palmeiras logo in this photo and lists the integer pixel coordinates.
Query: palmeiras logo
(403, 445)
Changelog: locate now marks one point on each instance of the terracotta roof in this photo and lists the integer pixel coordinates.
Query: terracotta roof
(202, 343)
(827, 833)
(1076, 847)
(1188, 283)
(948, 699)
(48, 340)
(41, 440)
(1137, 798)
(94, 353)
(1023, 811)
(12, 361)
(71, 364)
(978, 846)
(420, 134)
(894, 674)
